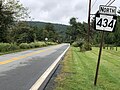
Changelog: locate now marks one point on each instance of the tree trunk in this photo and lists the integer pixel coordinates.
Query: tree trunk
(116, 48)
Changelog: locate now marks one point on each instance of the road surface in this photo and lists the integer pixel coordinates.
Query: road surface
(19, 71)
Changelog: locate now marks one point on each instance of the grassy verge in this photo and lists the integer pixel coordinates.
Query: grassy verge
(78, 70)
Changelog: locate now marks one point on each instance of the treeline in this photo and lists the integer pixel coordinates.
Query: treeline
(16, 34)
(13, 30)
(77, 35)
(11, 12)
(22, 32)
(48, 30)
(60, 29)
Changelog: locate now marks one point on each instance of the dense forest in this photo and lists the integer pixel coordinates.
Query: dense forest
(60, 29)
(13, 28)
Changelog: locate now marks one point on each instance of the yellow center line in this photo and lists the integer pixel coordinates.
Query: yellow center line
(24, 56)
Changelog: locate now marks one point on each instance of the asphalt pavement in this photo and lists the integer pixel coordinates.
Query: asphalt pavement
(19, 71)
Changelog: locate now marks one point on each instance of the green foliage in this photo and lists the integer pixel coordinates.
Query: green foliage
(73, 21)
(24, 46)
(82, 44)
(10, 11)
(35, 45)
(38, 33)
(77, 33)
(22, 33)
(5, 47)
(40, 44)
(78, 43)
(49, 32)
(51, 43)
(32, 45)
(15, 8)
(75, 44)
(42, 32)
(13, 46)
(87, 47)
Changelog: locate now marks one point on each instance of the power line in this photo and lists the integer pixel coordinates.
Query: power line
(94, 3)
(111, 2)
(108, 2)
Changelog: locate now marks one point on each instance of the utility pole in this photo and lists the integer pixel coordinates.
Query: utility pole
(89, 24)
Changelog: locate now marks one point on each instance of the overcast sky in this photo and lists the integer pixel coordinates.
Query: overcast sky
(60, 11)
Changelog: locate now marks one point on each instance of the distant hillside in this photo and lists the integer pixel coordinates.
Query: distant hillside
(60, 28)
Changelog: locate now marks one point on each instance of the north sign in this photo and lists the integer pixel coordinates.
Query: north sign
(110, 10)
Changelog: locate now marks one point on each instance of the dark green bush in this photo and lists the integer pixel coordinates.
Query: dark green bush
(82, 44)
(75, 44)
(5, 47)
(13, 47)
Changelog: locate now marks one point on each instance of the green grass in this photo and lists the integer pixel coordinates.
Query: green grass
(79, 68)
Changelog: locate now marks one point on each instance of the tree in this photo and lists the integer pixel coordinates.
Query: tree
(72, 30)
(117, 33)
(73, 22)
(10, 11)
(49, 32)
(22, 33)
(77, 30)
(15, 8)
(38, 33)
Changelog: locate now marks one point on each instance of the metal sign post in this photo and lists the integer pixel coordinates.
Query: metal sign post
(98, 63)
(105, 20)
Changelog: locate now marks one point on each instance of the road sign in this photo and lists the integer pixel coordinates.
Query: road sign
(105, 22)
(110, 10)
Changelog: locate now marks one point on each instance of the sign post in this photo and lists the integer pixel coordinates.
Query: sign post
(98, 63)
(105, 20)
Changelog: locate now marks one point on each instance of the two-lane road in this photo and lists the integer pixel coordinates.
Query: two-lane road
(19, 71)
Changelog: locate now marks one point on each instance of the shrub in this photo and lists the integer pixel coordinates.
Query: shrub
(24, 46)
(78, 43)
(82, 44)
(42, 44)
(5, 47)
(75, 44)
(86, 47)
(36, 44)
(13, 47)
(32, 45)
(51, 43)
(39, 44)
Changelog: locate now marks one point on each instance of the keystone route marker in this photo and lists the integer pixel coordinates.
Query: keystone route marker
(105, 20)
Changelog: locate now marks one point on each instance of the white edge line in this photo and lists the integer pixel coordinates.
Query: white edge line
(43, 77)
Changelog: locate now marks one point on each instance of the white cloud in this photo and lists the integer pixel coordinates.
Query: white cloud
(60, 11)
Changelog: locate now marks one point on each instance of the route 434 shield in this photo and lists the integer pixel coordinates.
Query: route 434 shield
(105, 22)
